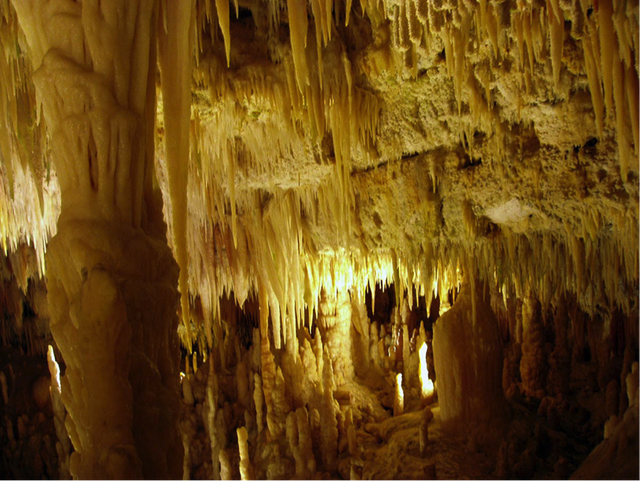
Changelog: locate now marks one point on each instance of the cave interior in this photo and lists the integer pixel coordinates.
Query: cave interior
(319, 239)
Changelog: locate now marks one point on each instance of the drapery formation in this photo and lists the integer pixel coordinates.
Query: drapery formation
(111, 276)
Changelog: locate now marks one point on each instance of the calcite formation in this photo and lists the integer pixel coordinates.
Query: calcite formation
(319, 238)
(468, 354)
(110, 284)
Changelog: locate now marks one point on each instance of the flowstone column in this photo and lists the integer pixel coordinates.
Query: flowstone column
(334, 323)
(467, 354)
(111, 277)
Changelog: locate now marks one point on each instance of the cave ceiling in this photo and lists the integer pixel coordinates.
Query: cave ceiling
(340, 143)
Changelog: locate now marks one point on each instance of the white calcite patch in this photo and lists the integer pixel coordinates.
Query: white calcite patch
(510, 212)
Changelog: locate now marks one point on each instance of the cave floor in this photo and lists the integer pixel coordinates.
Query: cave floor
(391, 450)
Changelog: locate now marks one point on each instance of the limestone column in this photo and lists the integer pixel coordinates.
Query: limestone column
(468, 361)
(111, 277)
(334, 323)
(533, 365)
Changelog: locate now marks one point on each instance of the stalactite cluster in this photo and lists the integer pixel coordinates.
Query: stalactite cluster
(390, 238)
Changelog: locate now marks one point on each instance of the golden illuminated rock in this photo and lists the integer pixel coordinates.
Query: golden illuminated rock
(468, 361)
(315, 179)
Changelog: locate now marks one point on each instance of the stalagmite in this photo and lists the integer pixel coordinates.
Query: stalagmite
(427, 415)
(59, 412)
(409, 374)
(610, 425)
(242, 376)
(3, 385)
(374, 351)
(97, 93)
(398, 400)
(353, 472)
(559, 377)
(360, 337)
(187, 430)
(257, 398)
(329, 426)
(246, 470)
(632, 384)
(351, 432)
(426, 384)
(468, 362)
(370, 194)
(299, 437)
(187, 393)
(212, 411)
(276, 418)
(335, 324)
(533, 366)
(225, 465)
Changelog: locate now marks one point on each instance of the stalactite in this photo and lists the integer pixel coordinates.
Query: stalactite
(556, 34)
(175, 59)
(298, 25)
(309, 181)
(595, 86)
(624, 152)
(404, 35)
(633, 100)
(222, 8)
(608, 55)
(415, 27)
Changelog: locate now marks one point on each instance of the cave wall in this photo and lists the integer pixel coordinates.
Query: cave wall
(328, 166)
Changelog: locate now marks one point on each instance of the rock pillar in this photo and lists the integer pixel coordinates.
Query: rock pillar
(111, 277)
(468, 362)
